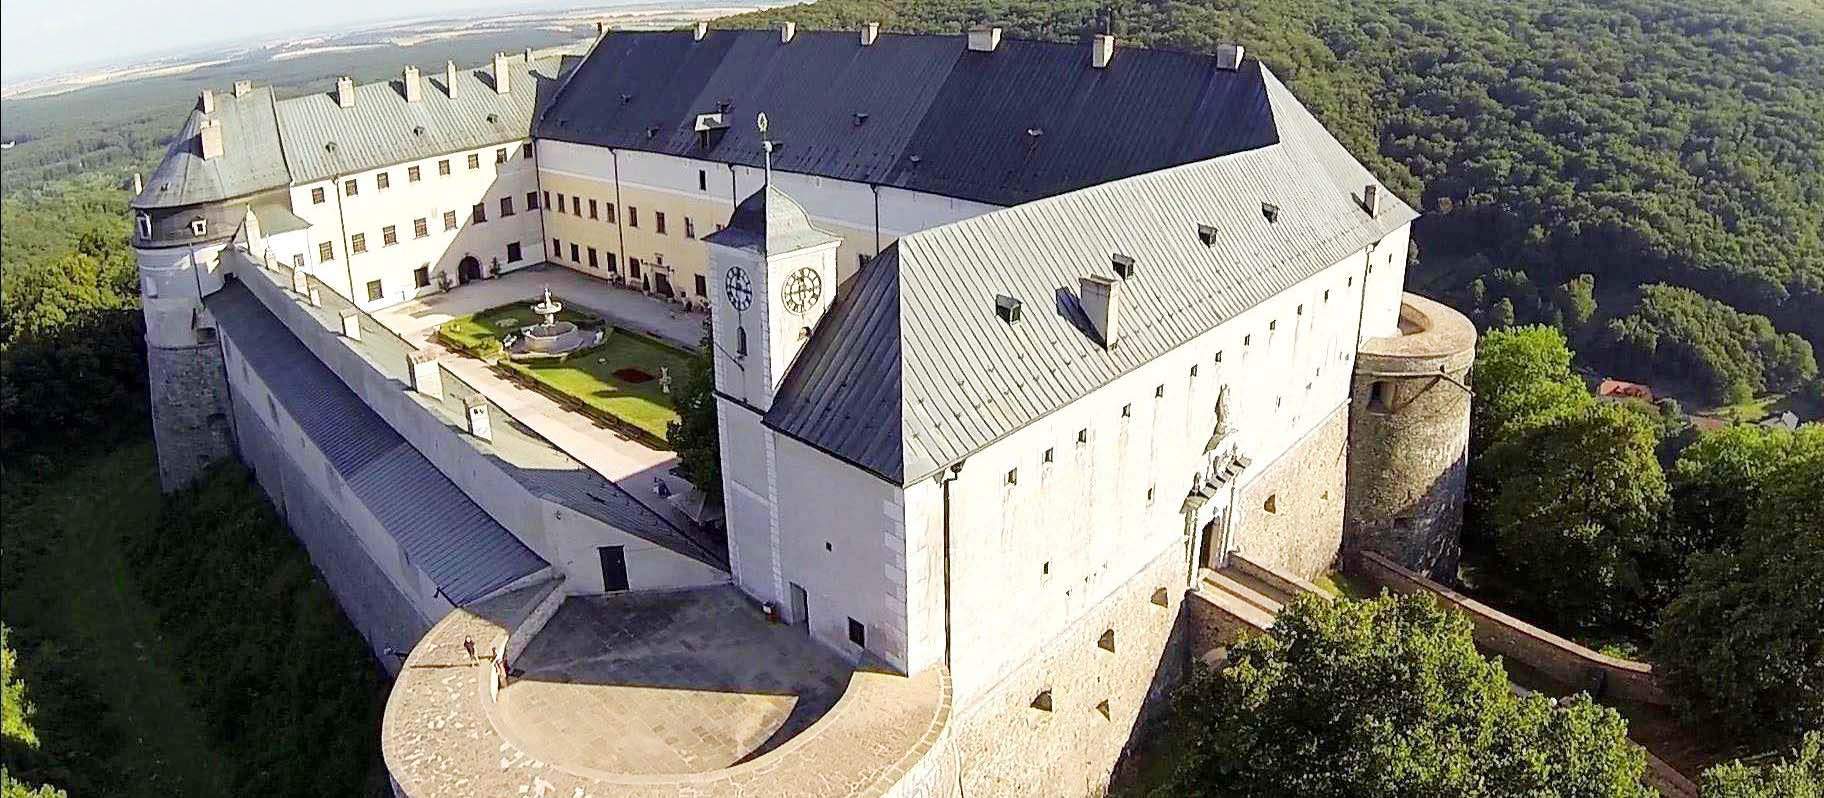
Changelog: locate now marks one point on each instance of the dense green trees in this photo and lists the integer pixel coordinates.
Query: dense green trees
(1387, 698)
(1731, 356)
(694, 434)
(19, 742)
(1801, 776)
(1742, 645)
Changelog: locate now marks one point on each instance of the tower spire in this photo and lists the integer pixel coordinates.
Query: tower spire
(766, 144)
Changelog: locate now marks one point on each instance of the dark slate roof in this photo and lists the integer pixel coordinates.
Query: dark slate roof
(463, 550)
(912, 370)
(939, 118)
(250, 161)
(383, 129)
(769, 220)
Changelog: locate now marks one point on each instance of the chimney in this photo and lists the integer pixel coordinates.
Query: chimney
(869, 33)
(449, 78)
(501, 86)
(1371, 199)
(527, 54)
(345, 91)
(983, 39)
(209, 139)
(786, 31)
(701, 30)
(139, 184)
(1101, 300)
(601, 29)
(351, 324)
(478, 418)
(242, 87)
(427, 376)
(414, 91)
(1101, 50)
(206, 102)
(1228, 56)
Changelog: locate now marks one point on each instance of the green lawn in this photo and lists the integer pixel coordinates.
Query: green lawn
(1342, 585)
(75, 588)
(589, 376)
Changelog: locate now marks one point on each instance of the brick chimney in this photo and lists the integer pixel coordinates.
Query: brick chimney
(1101, 50)
(345, 91)
(449, 78)
(209, 139)
(501, 83)
(242, 87)
(1371, 199)
(414, 88)
(1101, 300)
(699, 31)
(206, 102)
(786, 31)
(984, 38)
(869, 33)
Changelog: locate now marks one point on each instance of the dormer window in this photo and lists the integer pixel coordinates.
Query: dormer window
(1270, 211)
(1206, 234)
(199, 227)
(1123, 265)
(145, 225)
(1008, 308)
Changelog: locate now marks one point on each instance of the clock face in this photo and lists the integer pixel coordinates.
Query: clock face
(802, 290)
(740, 289)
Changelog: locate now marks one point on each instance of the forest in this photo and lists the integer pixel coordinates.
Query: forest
(1675, 142)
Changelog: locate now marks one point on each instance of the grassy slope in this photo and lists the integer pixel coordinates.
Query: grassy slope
(81, 591)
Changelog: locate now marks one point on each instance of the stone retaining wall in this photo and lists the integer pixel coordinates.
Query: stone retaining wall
(1518, 640)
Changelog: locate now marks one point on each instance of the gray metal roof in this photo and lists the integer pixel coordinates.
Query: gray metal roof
(912, 370)
(323, 139)
(769, 220)
(250, 161)
(463, 550)
(1029, 120)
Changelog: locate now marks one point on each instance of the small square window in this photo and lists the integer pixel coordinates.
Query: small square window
(421, 228)
(1127, 410)
(1013, 476)
(1273, 325)
(317, 197)
(474, 160)
(506, 206)
(478, 213)
(443, 167)
(389, 235)
(326, 252)
(513, 252)
(1159, 392)
(350, 187)
(858, 634)
(449, 220)
(1082, 436)
(413, 174)
(1219, 356)
(1051, 455)
(500, 155)
(373, 291)
(1193, 371)
(297, 261)
(421, 277)
(357, 243)
(383, 181)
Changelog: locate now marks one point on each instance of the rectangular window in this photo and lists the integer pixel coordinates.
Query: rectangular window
(474, 160)
(702, 180)
(443, 168)
(513, 253)
(373, 291)
(548, 199)
(421, 277)
(858, 634)
(413, 174)
(326, 252)
(633, 216)
(506, 206)
(357, 243)
(557, 248)
(633, 268)
(1051, 455)
(574, 253)
(1127, 410)
(658, 221)
(479, 213)
(350, 187)
(389, 235)
(1219, 355)
(383, 181)
(525, 150)
(421, 228)
(610, 213)
(449, 220)
(316, 196)
(702, 287)
(531, 200)
(592, 209)
(593, 263)
(576, 206)
(500, 155)
(612, 264)
(560, 202)
(690, 228)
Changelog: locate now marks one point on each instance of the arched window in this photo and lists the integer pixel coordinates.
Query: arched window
(741, 341)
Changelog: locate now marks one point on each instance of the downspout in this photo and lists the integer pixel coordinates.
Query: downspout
(876, 188)
(944, 478)
(538, 187)
(620, 212)
(348, 255)
(1361, 311)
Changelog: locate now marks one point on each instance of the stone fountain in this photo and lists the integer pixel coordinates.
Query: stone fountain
(552, 338)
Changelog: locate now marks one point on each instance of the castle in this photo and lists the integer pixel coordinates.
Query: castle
(1029, 359)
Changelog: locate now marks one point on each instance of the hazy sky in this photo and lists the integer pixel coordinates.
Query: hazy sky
(41, 36)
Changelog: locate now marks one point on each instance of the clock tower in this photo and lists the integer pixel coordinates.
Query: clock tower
(773, 276)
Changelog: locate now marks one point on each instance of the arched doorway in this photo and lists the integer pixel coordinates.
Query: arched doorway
(468, 269)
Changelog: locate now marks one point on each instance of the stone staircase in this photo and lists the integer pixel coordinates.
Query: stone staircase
(1242, 597)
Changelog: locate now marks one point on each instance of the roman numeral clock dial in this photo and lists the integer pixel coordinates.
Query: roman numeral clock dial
(740, 289)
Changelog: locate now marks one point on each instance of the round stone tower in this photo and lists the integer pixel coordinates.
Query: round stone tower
(1409, 440)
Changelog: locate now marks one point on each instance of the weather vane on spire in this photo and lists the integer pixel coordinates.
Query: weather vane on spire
(767, 145)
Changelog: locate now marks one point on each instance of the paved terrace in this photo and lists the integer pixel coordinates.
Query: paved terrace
(650, 694)
(627, 462)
